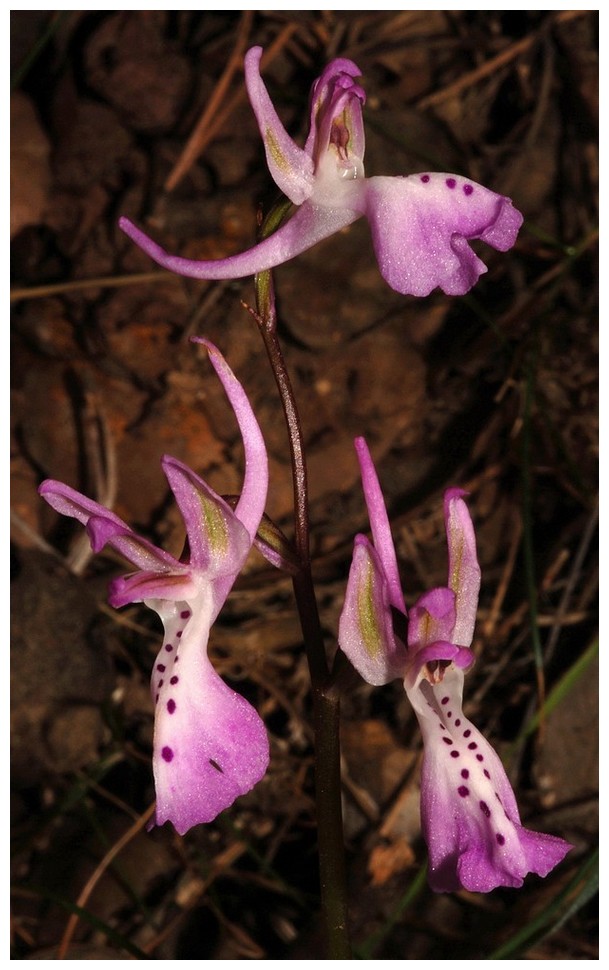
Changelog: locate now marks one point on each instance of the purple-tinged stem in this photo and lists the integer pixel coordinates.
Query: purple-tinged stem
(326, 706)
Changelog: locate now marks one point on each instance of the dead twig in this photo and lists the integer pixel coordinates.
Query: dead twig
(99, 282)
(214, 117)
(91, 883)
(490, 67)
(197, 141)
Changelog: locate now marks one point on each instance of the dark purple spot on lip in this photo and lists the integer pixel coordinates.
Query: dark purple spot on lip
(486, 774)
(171, 706)
(464, 773)
(445, 700)
(485, 809)
(447, 740)
(184, 614)
(458, 722)
(451, 183)
(472, 745)
(449, 713)
(215, 765)
(167, 754)
(160, 683)
(468, 189)
(156, 699)
(467, 733)
(463, 791)
(174, 680)
(160, 667)
(454, 754)
(500, 839)
(479, 757)
(425, 178)
(168, 647)
(179, 633)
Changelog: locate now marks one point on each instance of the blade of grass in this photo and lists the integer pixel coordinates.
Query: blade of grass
(576, 894)
(560, 690)
(97, 924)
(69, 800)
(108, 859)
(365, 950)
(55, 22)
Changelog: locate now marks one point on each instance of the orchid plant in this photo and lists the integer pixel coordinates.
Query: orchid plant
(420, 223)
(210, 745)
(469, 814)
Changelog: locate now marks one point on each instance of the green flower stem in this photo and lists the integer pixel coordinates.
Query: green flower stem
(326, 708)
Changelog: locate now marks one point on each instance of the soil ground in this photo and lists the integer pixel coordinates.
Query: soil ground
(495, 392)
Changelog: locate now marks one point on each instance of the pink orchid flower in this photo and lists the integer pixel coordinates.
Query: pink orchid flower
(420, 223)
(469, 815)
(210, 746)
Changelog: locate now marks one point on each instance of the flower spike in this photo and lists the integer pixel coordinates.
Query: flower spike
(421, 224)
(469, 815)
(210, 746)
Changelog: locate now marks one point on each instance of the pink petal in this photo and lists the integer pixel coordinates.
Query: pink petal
(431, 619)
(365, 632)
(336, 119)
(146, 585)
(67, 501)
(440, 650)
(290, 166)
(106, 528)
(463, 568)
(308, 226)
(218, 542)
(250, 507)
(379, 524)
(324, 84)
(210, 746)
(420, 226)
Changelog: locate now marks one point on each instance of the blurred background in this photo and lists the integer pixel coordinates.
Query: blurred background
(145, 114)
